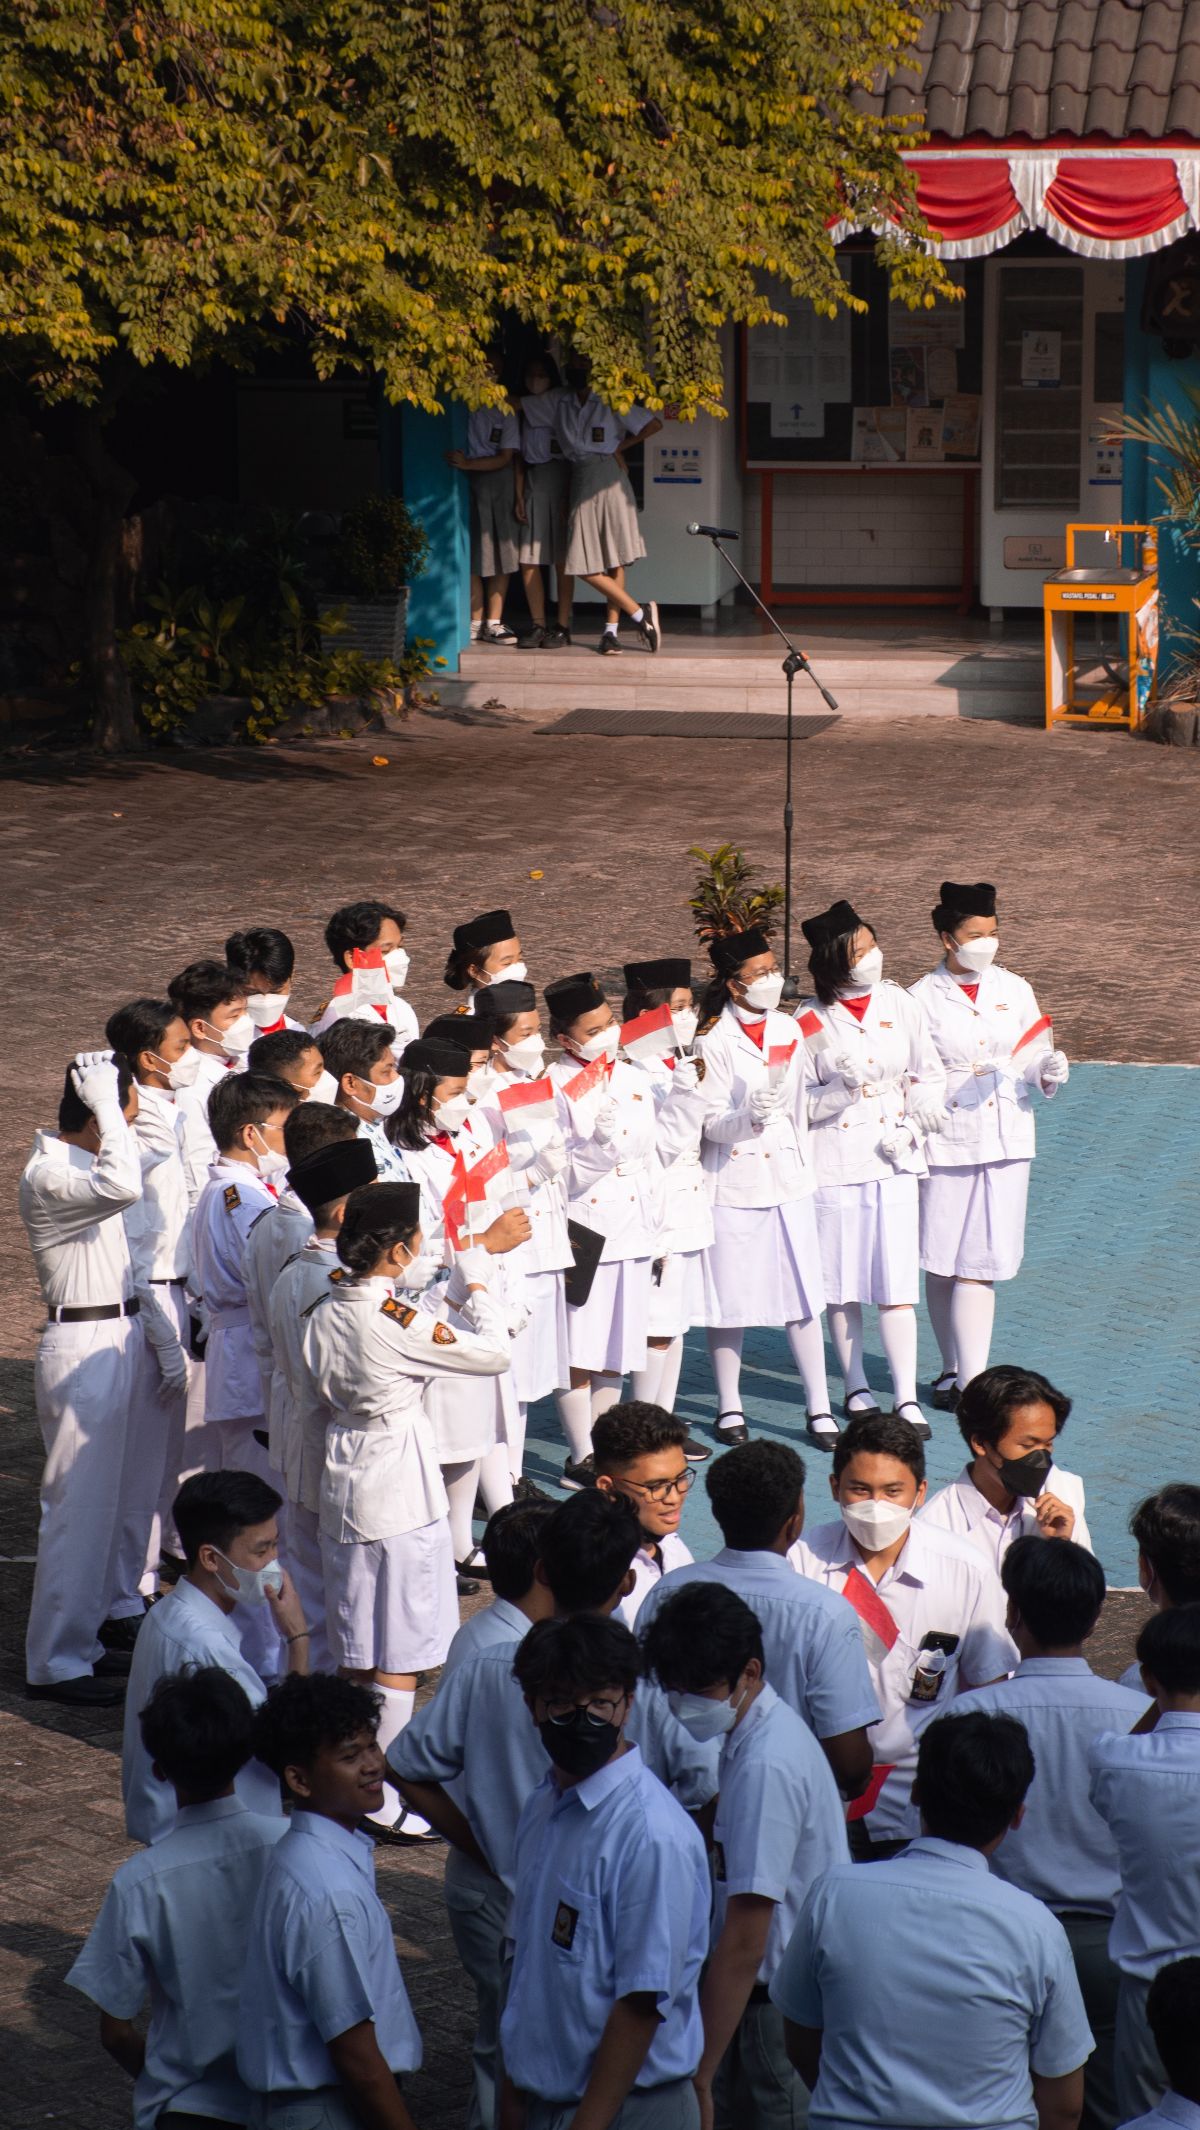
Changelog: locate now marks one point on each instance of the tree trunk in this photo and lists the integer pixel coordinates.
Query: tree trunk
(116, 729)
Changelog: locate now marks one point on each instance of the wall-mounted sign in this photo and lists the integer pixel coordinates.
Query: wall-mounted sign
(1044, 551)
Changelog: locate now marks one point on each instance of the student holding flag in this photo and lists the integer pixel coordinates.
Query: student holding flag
(997, 1048)
(615, 1193)
(366, 940)
(485, 950)
(764, 1266)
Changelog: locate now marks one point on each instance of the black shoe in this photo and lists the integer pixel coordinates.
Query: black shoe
(861, 1412)
(533, 638)
(84, 1692)
(557, 636)
(730, 1437)
(916, 1420)
(474, 1564)
(395, 1836)
(114, 1664)
(945, 1394)
(120, 1634)
(467, 1586)
(821, 1438)
(525, 1490)
(609, 642)
(577, 1477)
(647, 627)
(695, 1452)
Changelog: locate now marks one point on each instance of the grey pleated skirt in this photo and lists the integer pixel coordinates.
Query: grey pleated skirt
(495, 533)
(603, 531)
(544, 533)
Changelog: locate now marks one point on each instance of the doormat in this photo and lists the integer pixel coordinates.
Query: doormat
(687, 725)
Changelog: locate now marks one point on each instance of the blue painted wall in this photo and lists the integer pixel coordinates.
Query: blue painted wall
(1153, 381)
(439, 605)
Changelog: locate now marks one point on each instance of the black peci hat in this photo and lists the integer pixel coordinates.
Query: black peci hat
(459, 1029)
(836, 922)
(730, 950)
(573, 995)
(332, 1172)
(446, 1061)
(666, 974)
(506, 996)
(484, 931)
(977, 900)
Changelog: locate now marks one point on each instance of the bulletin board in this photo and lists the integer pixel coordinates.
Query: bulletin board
(884, 387)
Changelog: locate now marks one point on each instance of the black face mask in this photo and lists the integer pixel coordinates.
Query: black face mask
(1025, 1475)
(580, 1746)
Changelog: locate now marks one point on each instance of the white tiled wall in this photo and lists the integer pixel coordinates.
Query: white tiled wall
(860, 529)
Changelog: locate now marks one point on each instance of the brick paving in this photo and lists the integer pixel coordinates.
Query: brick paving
(113, 875)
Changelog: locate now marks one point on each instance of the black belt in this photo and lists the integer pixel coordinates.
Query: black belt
(99, 1313)
(179, 1281)
(760, 1994)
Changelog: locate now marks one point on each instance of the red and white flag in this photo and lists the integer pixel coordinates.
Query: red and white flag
(591, 1081)
(814, 1031)
(490, 1188)
(527, 1102)
(779, 1057)
(650, 1035)
(454, 1203)
(1039, 1028)
(366, 982)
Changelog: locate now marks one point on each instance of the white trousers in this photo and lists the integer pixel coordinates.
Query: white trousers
(153, 1449)
(83, 1385)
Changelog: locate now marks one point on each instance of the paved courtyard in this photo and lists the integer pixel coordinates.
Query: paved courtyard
(114, 875)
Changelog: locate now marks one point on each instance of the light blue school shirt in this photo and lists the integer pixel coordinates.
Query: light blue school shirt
(478, 1738)
(173, 1923)
(612, 1897)
(780, 1821)
(320, 1958)
(1062, 1851)
(184, 1628)
(1147, 1789)
(1172, 2113)
(686, 1768)
(811, 1637)
(937, 1990)
(499, 1622)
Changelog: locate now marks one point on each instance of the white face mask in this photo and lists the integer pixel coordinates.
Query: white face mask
(604, 1045)
(397, 965)
(526, 1056)
(765, 992)
(418, 1272)
(875, 1524)
(516, 973)
(266, 1007)
(269, 1162)
(183, 1071)
(703, 1719)
(326, 1089)
(685, 1025)
(250, 1585)
(479, 1081)
(865, 974)
(450, 1114)
(384, 1100)
(235, 1040)
(977, 954)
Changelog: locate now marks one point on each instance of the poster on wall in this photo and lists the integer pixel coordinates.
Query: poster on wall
(878, 436)
(960, 425)
(944, 325)
(677, 465)
(923, 442)
(1041, 359)
(797, 417)
(906, 368)
(1106, 453)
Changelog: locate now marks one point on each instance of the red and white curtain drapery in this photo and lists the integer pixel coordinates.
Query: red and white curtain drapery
(1115, 203)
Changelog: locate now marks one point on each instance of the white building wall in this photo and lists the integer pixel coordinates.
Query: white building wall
(859, 529)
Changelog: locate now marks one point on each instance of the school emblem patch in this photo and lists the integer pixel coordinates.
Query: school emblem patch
(338, 1274)
(398, 1313)
(233, 1198)
(443, 1336)
(566, 1923)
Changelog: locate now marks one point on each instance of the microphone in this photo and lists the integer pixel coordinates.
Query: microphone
(715, 532)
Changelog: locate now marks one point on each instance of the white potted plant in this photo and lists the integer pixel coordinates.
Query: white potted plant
(380, 549)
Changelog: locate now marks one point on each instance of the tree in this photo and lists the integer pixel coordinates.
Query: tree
(190, 181)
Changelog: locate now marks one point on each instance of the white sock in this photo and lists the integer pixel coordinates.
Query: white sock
(846, 1331)
(575, 1419)
(898, 1331)
(807, 1342)
(606, 1391)
(395, 1715)
(610, 628)
(462, 1481)
(972, 1313)
(495, 1480)
(939, 1297)
(638, 618)
(644, 1382)
(725, 1354)
(668, 1381)
(516, 1442)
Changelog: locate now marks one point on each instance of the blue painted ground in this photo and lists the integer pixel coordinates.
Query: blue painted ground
(1107, 1304)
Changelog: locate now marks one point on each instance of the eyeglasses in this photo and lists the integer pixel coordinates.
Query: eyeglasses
(662, 1489)
(600, 1711)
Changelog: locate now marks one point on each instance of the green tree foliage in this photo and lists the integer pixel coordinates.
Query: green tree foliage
(185, 181)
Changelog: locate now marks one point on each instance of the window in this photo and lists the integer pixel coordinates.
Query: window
(1038, 386)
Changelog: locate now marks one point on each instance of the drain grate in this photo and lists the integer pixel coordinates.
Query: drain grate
(687, 724)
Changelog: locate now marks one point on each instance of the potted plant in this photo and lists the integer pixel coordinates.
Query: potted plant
(728, 896)
(380, 549)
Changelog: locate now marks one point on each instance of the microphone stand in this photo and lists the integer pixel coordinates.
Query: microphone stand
(794, 663)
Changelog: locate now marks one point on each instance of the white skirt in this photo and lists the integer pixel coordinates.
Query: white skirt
(973, 1220)
(466, 1414)
(602, 532)
(764, 1266)
(391, 1604)
(544, 533)
(677, 1300)
(868, 1237)
(606, 1335)
(541, 1362)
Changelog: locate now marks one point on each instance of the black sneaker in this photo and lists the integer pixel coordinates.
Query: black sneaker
(533, 638)
(525, 1490)
(556, 636)
(577, 1477)
(695, 1452)
(647, 627)
(497, 632)
(944, 1395)
(609, 642)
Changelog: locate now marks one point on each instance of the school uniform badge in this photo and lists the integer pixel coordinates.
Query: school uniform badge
(566, 1923)
(233, 1198)
(397, 1311)
(443, 1336)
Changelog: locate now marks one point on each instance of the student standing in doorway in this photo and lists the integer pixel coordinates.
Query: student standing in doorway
(493, 441)
(543, 480)
(603, 534)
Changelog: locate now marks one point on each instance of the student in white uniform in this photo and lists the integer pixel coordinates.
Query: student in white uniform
(778, 1826)
(278, 1236)
(543, 484)
(290, 1054)
(880, 1088)
(979, 1154)
(211, 1000)
(1173, 2016)
(1146, 1787)
(354, 929)
(77, 1183)
(391, 1607)
(265, 959)
(1062, 1852)
(1010, 1420)
(493, 443)
(614, 1189)
(610, 1921)
(677, 1293)
(228, 1526)
(149, 1035)
(931, 1613)
(926, 1990)
(603, 534)
(172, 1914)
(764, 1266)
(360, 1059)
(485, 950)
(325, 2031)
(639, 1451)
(814, 1650)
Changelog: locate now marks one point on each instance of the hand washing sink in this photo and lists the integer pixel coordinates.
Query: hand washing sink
(1097, 576)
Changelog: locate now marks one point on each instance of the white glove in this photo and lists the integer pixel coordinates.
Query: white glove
(1055, 1071)
(96, 1082)
(898, 1145)
(172, 1366)
(766, 1102)
(849, 1068)
(551, 1161)
(686, 1074)
(604, 1130)
(927, 1110)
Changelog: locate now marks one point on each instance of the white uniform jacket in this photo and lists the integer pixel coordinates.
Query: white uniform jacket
(158, 1224)
(227, 1208)
(199, 1146)
(892, 1047)
(615, 1188)
(68, 1200)
(370, 1354)
(298, 1415)
(276, 1237)
(990, 1095)
(748, 1163)
(549, 1248)
(679, 1123)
